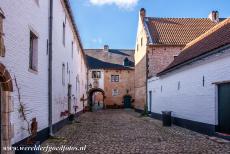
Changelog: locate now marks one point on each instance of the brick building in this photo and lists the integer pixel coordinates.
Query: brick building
(158, 42)
(196, 85)
(111, 72)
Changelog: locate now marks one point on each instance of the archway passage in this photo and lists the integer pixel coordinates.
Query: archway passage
(96, 98)
(6, 86)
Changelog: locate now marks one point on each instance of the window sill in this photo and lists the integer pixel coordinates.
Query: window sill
(33, 71)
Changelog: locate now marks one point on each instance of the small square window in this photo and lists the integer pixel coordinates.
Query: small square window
(96, 74)
(114, 78)
(115, 92)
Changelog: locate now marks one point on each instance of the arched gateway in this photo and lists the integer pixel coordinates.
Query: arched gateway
(6, 86)
(90, 96)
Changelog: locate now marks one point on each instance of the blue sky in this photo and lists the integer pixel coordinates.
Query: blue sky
(114, 22)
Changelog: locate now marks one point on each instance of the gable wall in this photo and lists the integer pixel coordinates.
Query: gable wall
(159, 57)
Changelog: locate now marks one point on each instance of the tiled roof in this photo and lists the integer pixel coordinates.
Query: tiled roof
(94, 63)
(112, 56)
(218, 36)
(176, 31)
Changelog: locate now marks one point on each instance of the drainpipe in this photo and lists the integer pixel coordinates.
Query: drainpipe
(50, 67)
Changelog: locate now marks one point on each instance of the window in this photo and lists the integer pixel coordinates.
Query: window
(126, 62)
(63, 34)
(63, 74)
(114, 78)
(96, 74)
(2, 47)
(141, 41)
(137, 47)
(33, 55)
(115, 92)
(72, 49)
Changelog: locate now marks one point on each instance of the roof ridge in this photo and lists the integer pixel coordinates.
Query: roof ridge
(111, 49)
(178, 18)
(207, 33)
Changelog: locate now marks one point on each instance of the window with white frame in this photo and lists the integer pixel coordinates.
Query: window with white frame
(96, 74)
(115, 92)
(33, 52)
(114, 78)
(63, 74)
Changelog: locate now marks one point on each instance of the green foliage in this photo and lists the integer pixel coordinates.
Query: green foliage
(145, 112)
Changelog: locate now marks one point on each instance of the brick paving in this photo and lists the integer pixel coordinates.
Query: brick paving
(125, 131)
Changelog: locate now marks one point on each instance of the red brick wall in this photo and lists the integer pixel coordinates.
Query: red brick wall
(159, 57)
(126, 81)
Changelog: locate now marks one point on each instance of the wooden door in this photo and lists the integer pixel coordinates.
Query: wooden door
(224, 108)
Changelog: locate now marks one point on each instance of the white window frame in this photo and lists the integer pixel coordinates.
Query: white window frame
(115, 78)
(96, 74)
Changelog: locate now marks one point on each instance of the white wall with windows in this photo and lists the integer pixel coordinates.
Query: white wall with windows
(69, 67)
(96, 78)
(25, 29)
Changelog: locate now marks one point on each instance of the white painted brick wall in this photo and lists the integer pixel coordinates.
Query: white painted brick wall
(63, 54)
(22, 16)
(192, 101)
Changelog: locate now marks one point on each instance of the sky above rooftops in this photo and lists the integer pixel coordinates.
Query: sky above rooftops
(114, 22)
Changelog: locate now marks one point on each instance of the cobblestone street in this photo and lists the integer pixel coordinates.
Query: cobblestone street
(125, 131)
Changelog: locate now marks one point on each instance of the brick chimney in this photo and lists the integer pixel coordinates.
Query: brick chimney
(142, 13)
(214, 16)
(106, 48)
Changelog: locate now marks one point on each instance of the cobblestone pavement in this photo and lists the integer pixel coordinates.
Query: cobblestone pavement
(125, 131)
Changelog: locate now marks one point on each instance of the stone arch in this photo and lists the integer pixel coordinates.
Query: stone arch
(90, 94)
(6, 87)
(5, 79)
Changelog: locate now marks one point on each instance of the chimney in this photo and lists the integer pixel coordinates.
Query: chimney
(106, 48)
(214, 16)
(142, 13)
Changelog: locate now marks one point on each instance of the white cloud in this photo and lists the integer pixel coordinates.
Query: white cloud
(125, 4)
(97, 40)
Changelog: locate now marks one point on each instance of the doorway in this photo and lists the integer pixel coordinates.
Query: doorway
(127, 101)
(150, 101)
(69, 97)
(96, 95)
(224, 108)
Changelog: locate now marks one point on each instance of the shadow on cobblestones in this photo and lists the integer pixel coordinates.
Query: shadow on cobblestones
(124, 131)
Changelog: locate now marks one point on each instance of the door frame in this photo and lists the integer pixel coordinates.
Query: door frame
(217, 123)
(150, 100)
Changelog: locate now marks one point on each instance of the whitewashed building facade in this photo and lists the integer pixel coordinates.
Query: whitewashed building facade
(24, 56)
(195, 86)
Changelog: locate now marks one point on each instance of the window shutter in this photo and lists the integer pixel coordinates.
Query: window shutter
(2, 46)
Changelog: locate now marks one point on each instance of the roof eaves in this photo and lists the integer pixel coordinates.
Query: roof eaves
(70, 12)
(212, 52)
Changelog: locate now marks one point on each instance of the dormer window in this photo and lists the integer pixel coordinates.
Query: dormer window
(126, 62)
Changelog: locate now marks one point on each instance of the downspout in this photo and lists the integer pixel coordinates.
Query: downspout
(50, 67)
